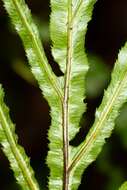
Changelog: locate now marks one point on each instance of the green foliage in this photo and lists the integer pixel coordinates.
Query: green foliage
(124, 186)
(19, 162)
(65, 95)
(67, 36)
(113, 99)
(97, 76)
(121, 129)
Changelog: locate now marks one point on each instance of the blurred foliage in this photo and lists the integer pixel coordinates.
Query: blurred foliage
(97, 77)
(121, 126)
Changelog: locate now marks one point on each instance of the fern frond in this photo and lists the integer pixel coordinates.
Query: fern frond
(114, 97)
(68, 28)
(19, 162)
(48, 82)
(24, 25)
(69, 19)
(123, 186)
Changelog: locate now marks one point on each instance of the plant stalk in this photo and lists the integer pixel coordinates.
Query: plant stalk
(66, 99)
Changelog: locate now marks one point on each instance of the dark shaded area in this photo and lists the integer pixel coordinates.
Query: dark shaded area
(107, 32)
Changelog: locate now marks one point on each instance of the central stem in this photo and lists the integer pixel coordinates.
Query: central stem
(66, 100)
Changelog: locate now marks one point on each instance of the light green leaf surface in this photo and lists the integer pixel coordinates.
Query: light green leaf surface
(114, 97)
(124, 186)
(19, 162)
(24, 25)
(48, 82)
(68, 26)
(69, 19)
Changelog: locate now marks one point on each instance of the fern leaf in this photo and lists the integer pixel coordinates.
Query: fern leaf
(105, 116)
(69, 19)
(48, 82)
(67, 35)
(19, 162)
(123, 186)
(24, 25)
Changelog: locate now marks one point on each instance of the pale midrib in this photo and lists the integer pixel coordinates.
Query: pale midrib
(86, 147)
(50, 76)
(66, 99)
(17, 155)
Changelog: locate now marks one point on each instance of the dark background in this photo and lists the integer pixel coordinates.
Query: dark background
(107, 32)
